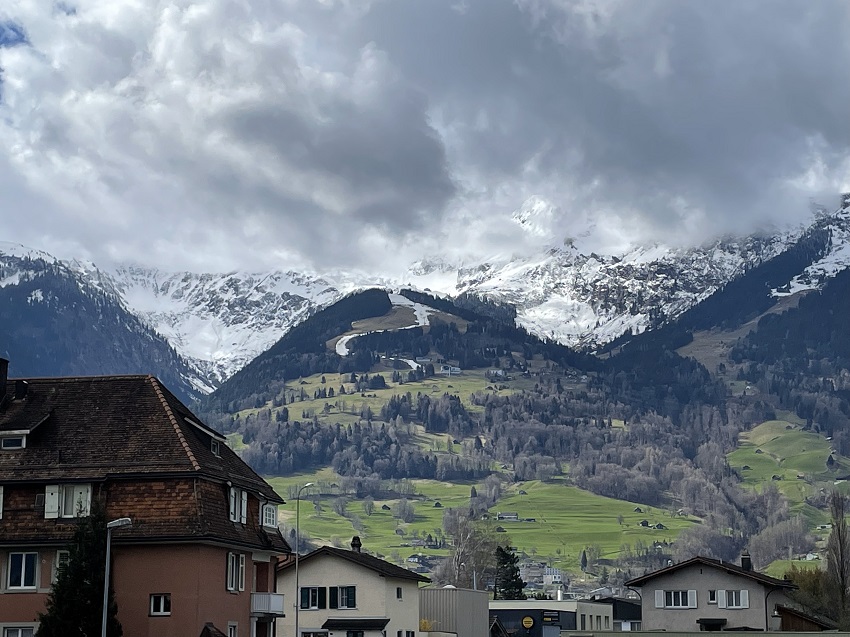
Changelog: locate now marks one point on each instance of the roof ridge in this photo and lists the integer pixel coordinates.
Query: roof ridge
(180, 435)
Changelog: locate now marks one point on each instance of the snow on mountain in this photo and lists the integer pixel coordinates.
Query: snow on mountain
(219, 322)
(834, 261)
(222, 321)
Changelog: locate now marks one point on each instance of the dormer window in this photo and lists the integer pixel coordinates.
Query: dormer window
(270, 515)
(11, 443)
(215, 448)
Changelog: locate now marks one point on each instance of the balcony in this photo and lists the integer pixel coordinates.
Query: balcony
(267, 605)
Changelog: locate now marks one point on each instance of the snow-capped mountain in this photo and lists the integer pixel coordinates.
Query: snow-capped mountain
(219, 322)
(222, 321)
(57, 320)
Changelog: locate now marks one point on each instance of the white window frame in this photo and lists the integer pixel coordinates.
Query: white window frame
(712, 596)
(740, 599)
(235, 572)
(57, 496)
(238, 505)
(24, 585)
(7, 444)
(342, 592)
(158, 603)
(269, 516)
(312, 598)
(232, 629)
(215, 447)
(675, 599)
(17, 631)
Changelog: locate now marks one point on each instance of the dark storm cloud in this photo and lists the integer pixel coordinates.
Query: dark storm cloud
(339, 133)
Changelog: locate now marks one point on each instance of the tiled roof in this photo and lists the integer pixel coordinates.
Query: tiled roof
(130, 436)
(365, 560)
(94, 428)
(718, 564)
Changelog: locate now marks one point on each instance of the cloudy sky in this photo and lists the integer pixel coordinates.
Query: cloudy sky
(365, 133)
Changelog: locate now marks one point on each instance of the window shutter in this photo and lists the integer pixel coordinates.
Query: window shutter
(352, 597)
(241, 571)
(243, 511)
(745, 599)
(659, 599)
(334, 597)
(721, 599)
(323, 597)
(233, 502)
(229, 574)
(692, 599)
(305, 598)
(51, 501)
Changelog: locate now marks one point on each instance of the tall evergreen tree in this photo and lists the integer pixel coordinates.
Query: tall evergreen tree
(75, 601)
(583, 561)
(508, 583)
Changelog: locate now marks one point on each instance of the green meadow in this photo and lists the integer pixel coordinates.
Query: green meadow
(562, 520)
(780, 452)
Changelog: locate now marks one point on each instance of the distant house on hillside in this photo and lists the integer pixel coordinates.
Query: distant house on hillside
(511, 516)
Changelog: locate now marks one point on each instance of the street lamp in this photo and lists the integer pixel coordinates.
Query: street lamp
(109, 526)
(297, 549)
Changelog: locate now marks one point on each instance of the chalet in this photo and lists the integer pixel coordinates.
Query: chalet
(510, 516)
(344, 592)
(204, 540)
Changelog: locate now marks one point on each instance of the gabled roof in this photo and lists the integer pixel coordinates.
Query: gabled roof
(94, 428)
(728, 567)
(382, 567)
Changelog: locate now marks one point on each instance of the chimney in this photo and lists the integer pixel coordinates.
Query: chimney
(21, 387)
(356, 544)
(4, 375)
(746, 562)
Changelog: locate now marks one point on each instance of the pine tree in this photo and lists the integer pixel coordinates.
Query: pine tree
(75, 601)
(583, 561)
(508, 584)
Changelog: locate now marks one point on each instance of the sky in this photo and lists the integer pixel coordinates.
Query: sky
(366, 134)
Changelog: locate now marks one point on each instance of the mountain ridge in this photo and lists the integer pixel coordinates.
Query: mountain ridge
(220, 322)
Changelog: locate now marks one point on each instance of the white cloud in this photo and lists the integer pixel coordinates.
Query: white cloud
(220, 134)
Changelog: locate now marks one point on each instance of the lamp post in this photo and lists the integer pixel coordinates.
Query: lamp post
(297, 549)
(109, 526)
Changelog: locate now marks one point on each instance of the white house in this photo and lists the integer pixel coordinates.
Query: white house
(707, 594)
(349, 594)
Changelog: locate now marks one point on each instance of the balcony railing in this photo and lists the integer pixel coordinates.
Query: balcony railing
(267, 604)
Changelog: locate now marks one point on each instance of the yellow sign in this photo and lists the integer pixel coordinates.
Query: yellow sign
(527, 622)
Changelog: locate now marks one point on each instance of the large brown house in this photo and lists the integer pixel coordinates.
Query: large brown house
(204, 542)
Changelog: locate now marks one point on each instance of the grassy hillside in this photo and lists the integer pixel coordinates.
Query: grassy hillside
(566, 520)
(782, 453)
